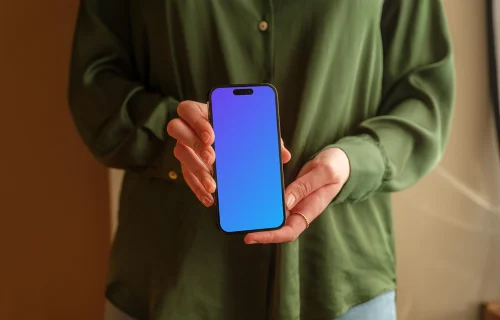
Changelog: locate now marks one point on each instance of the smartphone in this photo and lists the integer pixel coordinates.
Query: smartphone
(248, 168)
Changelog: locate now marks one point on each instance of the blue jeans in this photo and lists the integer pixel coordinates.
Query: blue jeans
(382, 307)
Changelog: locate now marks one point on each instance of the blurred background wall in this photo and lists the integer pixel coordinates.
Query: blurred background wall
(448, 226)
(55, 200)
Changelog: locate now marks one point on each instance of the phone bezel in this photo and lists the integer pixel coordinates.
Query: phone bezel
(216, 193)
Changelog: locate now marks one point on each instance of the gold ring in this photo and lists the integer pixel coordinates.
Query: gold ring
(303, 216)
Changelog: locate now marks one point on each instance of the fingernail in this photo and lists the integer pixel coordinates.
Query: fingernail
(290, 201)
(252, 242)
(206, 201)
(205, 155)
(205, 137)
(209, 185)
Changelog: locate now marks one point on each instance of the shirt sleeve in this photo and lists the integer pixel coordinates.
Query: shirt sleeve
(119, 120)
(406, 139)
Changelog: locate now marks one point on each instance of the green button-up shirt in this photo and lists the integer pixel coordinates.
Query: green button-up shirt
(372, 77)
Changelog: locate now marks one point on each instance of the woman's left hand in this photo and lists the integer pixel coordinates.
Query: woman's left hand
(317, 184)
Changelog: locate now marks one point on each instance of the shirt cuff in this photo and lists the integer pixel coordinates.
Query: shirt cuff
(367, 167)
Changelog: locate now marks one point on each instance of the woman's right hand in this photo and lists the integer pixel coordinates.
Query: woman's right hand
(195, 137)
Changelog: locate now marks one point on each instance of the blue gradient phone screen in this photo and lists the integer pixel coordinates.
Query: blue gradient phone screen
(248, 165)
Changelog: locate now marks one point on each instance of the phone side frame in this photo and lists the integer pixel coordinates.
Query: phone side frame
(216, 193)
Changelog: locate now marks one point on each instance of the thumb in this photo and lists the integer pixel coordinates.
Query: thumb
(304, 185)
(285, 154)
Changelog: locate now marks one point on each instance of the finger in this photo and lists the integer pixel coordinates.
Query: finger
(285, 154)
(313, 205)
(288, 233)
(179, 130)
(193, 163)
(196, 186)
(305, 169)
(187, 155)
(305, 185)
(196, 116)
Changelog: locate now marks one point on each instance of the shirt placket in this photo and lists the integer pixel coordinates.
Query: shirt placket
(265, 27)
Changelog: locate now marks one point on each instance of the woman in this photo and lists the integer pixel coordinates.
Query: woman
(366, 91)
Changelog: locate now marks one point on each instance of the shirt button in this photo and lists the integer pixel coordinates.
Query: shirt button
(263, 26)
(172, 175)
